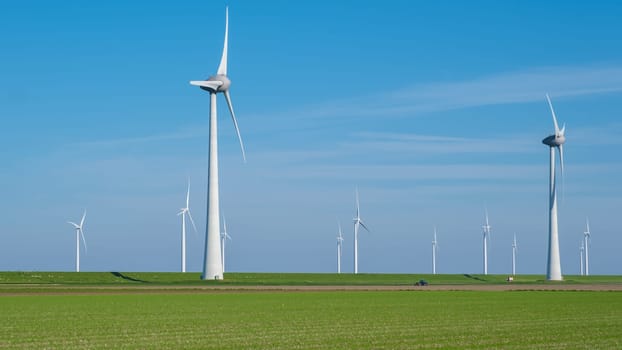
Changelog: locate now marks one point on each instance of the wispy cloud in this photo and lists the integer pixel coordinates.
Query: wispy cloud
(180, 134)
(438, 144)
(503, 88)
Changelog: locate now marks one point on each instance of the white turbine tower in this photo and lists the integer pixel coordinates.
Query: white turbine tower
(434, 248)
(514, 248)
(339, 249)
(219, 83)
(554, 269)
(357, 222)
(183, 211)
(581, 257)
(486, 231)
(79, 233)
(587, 236)
(224, 236)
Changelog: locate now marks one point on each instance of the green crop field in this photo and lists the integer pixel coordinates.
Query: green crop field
(176, 278)
(314, 320)
(91, 310)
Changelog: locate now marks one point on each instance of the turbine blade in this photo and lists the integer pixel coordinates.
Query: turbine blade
(235, 123)
(557, 131)
(74, 224)
(561, 158)
(365, 227)
(83, 240)
(356, 190)
(222, 68)
(82, 220)
(560, 148)
(192, 221)
(188, 195)
(206, 83)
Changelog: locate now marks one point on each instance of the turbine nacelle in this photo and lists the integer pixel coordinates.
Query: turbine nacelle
(554, 140)
(214, 84)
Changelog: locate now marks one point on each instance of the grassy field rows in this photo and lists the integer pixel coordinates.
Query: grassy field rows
(51, 310)
(325, 320)
(175, 278)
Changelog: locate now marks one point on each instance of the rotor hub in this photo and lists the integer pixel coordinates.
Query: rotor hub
(554, 141)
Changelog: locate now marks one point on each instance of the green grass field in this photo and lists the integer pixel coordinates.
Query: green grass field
(276, 279)
(94, 310)
(314, 320)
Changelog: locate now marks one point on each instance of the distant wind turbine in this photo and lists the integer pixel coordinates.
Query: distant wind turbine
(581, 257)
(514, 248)
(183, 211)
(587, 236)
(486, 231)
(79, 233)
(224, 236)
(339, 249)
(557, 140)
(219, 83)
(357, 222)
(434, 248)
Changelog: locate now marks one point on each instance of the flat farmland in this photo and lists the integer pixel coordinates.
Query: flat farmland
(193, 319)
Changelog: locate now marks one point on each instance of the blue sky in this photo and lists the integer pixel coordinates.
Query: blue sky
(435, 110)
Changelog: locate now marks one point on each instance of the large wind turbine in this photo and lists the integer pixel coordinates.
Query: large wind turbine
(587, 236)
(219, 83)
(224, 236)
(79, 233)
(183, 211)
(357, 222)
(339, 250)
(486, 234)
(514, 247)
(434, 247)
(554, 269)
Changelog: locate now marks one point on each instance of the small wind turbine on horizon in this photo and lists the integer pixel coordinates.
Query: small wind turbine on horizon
(587, 237)
(79, 233)
(514, 248)
(183, 211)
(434, 249)
(357, 223)
(219, 83)
(555, 141)
(486, 234)
(582, 250)
(339, 248)
(224, 236)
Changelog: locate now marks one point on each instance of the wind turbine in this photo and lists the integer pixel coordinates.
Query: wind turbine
(79, 233)
(587, 236)
(581, 257)
(557, 140)
(434, 248)
(224, 236)
(514, 248)
(357, 222)
(486, 232)
(183, 212)
(219, 83)
(339, 250)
